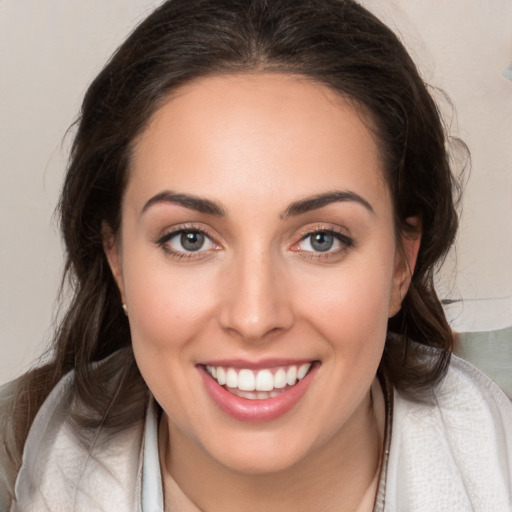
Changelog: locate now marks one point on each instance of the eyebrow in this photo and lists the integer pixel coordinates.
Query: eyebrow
(305, 205)
(191, 202)
(319, 201)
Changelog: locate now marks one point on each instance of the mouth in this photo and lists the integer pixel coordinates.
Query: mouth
(258, 384)
(257, 394)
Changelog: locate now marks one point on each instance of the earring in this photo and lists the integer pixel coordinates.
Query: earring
(125, 309)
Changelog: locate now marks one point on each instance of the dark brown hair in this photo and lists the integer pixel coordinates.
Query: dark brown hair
(333, 42)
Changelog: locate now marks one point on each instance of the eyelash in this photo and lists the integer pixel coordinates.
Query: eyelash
(181, 255)
(345, 241)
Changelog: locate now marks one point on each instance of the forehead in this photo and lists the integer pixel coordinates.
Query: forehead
(254, 137)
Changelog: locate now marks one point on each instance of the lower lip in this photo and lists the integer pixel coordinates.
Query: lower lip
(244, 409)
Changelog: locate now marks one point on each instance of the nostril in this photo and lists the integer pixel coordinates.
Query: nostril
(253, 326)
(256, 304)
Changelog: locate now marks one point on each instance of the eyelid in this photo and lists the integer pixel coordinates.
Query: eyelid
(339, 234)
(183, 228)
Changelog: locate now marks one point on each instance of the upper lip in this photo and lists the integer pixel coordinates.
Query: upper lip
(255, 365)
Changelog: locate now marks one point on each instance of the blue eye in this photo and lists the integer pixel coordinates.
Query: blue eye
(324, 241)
(321, 242)
(192, 241)
(187, 241)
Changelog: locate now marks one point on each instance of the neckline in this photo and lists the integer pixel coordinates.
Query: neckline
(152, 491)
(387, 390)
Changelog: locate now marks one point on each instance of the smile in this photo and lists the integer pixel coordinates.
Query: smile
(248, 393)
(258, 384)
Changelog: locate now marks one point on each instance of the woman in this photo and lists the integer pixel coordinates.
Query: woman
(257, 196)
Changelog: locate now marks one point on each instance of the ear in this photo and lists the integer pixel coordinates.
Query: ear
(113, 254)
(405, 261)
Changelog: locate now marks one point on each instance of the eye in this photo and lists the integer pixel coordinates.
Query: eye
(185, 242)
(188, 241)
(320, 242)
(324, 241)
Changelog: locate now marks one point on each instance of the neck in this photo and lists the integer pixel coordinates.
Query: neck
(334, 477)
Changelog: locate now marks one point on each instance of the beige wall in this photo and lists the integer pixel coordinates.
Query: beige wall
(51, 49)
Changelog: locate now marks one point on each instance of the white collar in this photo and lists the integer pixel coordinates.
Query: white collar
(454, 454)
(152, 499)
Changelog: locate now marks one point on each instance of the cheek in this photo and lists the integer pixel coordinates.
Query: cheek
(167, 306)
(167, 312)
(350, 306)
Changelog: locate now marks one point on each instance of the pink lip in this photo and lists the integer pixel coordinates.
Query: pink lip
(243, 409)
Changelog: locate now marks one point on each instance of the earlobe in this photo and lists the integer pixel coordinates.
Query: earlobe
(112, 252)
(405, 262)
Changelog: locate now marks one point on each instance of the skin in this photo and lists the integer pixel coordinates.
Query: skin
(255, 144)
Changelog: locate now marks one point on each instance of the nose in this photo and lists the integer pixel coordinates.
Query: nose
(256, 303)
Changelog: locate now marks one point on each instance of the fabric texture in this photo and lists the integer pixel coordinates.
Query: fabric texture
(454, 454)
(6, 393)
(60, 473)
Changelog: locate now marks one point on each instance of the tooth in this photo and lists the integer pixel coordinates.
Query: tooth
(231, 378)
(291, 375)
(264, 381)
(247, 394)
(221, 375)
(280, 379)
(246, 380)
(213, 372)
(303, 370)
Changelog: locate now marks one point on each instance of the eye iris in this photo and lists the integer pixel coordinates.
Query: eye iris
(322, 242)
(192, 240)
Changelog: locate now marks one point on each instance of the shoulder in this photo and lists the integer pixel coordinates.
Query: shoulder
(63, 464)
(454, 452)
(7, 473)
(467, 390)
(470, 402)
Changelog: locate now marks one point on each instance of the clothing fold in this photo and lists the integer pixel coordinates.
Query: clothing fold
(451, 453)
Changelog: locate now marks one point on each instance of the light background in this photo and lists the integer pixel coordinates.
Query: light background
(51, 49)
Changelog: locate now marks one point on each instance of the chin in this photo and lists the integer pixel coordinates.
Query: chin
(262, 462)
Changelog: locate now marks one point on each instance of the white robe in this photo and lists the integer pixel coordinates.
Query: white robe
(452, 456)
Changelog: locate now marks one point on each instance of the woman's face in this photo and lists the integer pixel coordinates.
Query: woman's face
(257, 243)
